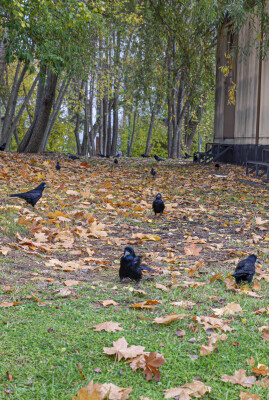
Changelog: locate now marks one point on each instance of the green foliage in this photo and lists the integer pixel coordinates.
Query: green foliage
(159, 137)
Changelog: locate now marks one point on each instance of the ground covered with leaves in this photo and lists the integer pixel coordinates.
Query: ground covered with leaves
(69, 329)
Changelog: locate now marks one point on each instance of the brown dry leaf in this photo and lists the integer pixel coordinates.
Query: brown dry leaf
(71, 282)
(108, 326)
(5, 250)
(215, 277)
(149, 362)
(239, 378)
(251, 362)
(260, 370)
(206, 350)
(169, 318)
(64, 292)
(162, 287)
(230, 309)
(184, 304)
(121, 350)
(256, 286)
(230, 284)
(248, 396)
(97, 230)
(193, 250)
(213, 323)
(146, 236)
(195, 388)
(146, 304)
(107, 303)
(9, 376)
(263, 382)
(11, 304)
(35, 297)
(95, 391)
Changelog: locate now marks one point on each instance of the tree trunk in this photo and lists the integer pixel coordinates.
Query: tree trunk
(12, 101)
(85, 142)
(152, 119)
(32, 142)
(108, 147)
(13, 128)
(55, 112)
(133, 134)
(105, 109)
(115, 123)
(101, 147)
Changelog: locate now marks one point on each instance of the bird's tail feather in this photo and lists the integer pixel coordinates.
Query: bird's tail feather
(144, 267)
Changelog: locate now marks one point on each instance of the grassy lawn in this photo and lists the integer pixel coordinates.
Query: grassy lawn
(49, 346)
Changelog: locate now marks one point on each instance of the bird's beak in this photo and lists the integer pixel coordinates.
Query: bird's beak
(126, 253)
(47, 186)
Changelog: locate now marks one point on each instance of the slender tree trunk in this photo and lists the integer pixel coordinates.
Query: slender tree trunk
(78, 118)
(105, 109)
(109, 147)
(55, 112)
(115, 123)
(85, 142)
(13, 128)
(133, 135)
(152, 119)
(32, 142)
(169, 125)
(12, 101)
(101, 146)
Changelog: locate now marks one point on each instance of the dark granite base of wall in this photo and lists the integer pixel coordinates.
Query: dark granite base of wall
(242, 153)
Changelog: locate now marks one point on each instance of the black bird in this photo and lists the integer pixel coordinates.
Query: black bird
(245, 270)
(58, 167)
(3, 146)
(101, 155)
(107, 156)
(73, 157)
(186, 155)
(195, 157)
(116, 161)
(130, 265)
(217, 166)
(158, 204)
(144, 155)
(152, 172)
(32, 196)
(157, 158)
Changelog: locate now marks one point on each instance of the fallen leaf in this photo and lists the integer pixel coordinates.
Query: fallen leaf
(162, 287)
(195, 388)
(239, 378)
(11, 304)
(108, 326)
(251, 362)
(107, 303)
(95, 391)
(229, 309)
(260, 370)
(149, 362)
(193, 250)
(169, 318)
(248, 396)
(71, 282)
(146, 304)
(121, 350)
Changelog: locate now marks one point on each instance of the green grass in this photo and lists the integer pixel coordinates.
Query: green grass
(44, 362)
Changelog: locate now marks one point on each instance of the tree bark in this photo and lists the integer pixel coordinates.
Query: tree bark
(133, 134)
(12, 101)
(152, 119)
(115, 123)
(108, 147)
(32, 141)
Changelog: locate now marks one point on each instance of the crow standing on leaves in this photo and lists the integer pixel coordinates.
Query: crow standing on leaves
(116, 161)
(73, 157)
(144, 155)
(130, 265)
(217, 166)
(57, 166)
(245, 270)
(152, 172)
(32, 196)
(3, 146)
(158, 204)
(157, 158)
(186, 155)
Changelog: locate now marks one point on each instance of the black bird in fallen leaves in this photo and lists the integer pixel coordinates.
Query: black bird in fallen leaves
(107, 156)
(116, 161)
(157, 158)
(217, 166)
(195, 157)
(73, 157)
(3, 146)
(152, 172)
(144, 155)
(57, 166)
(158, 204)
(101, 155)
(186, 155)
(33, 195)
(130, 265)
(245, 270)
